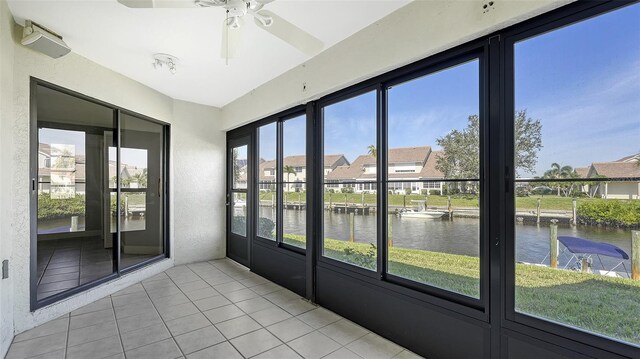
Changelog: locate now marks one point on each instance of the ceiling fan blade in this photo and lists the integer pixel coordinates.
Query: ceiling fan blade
(156, 4)
(291, 34)
(231, 40)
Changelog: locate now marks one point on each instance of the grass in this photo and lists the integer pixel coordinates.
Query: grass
(596, 303)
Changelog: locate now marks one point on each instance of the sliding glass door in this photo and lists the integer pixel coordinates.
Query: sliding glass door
(98, 192)
(141, 190)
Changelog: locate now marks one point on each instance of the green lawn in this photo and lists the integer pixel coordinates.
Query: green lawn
(605, 305)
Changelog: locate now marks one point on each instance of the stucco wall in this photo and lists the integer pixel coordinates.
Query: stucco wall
(199, 178)
(197, 143)
(6, 109)
(415, 31)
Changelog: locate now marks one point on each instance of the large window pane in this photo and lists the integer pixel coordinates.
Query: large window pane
(434, 232)
(74, 243)
(350, 187)
(294, 173)
(267, 200)
(141, 197)
(577, 97)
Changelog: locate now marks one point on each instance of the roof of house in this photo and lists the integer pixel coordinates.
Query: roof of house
(429, 170)
(615, 169)
(422, 155)
(301, 161)
(582, 172)
(631, 158)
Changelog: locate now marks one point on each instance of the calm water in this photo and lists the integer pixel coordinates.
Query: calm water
(460, 236)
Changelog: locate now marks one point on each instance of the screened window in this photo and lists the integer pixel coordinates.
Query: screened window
(577, 162)
(267, 194)
(350, 219)
(434, 236)
(294, 196)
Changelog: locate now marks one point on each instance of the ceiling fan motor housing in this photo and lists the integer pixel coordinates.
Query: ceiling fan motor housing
(236, 7)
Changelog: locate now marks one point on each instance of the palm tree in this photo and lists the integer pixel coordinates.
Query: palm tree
(141, 178)
(558, 171)
(289, 170)
(373, 151)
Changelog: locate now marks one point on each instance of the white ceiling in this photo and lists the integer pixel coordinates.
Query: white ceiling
(125, 39)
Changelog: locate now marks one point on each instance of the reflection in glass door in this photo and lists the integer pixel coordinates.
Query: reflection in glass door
(71, 245)
(141, 192)
(98, 193)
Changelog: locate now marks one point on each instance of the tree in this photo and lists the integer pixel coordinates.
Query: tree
(461, 148)
(236, 165)
(289, 170)
(461, 151)
(140, 178)
(561, 172)
(372, 150)
(593, 189)
(528, 141)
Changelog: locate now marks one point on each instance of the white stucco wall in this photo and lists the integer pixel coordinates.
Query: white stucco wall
(197, 144)
(6, 111)
(199, 180)
(415, 31)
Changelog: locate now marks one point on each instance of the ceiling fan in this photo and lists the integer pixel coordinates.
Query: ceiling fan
(236, 10)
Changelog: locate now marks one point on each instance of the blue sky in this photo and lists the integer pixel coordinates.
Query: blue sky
(581, 81)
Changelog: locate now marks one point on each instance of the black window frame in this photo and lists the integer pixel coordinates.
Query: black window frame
(279, 120)
(495, 309)
(514, 320)
(117, 272)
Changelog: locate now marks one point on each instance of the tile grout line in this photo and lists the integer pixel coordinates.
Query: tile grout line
(117, 326)
(161, 318)
(229, 340)
(66, 345)
(224, 336)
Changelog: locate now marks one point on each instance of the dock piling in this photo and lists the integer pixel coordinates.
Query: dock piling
(574, 216)
(635, 255)
(553, 256)
(389, 231)
(538, 212)
(352, 232)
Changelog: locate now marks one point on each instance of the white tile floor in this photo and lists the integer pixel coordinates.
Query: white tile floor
(215, 309)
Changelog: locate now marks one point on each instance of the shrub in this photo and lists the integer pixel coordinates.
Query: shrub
(363, 259)
(49, 208)
(346, 189)
(265, 227)
(424, 192)
(434, 192)
(522, 192)
(614, 213)
(239, 225)
(407, 191)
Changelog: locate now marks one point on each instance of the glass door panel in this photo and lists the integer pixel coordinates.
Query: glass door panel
(237, 200)
(141, 191)
(73, 247)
